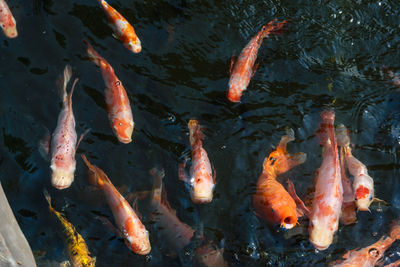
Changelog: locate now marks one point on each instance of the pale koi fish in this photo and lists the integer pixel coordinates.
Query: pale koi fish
(348, 215)
(244, 69)
(363, 184)
(7, 21)
(369, 256)
(327, 202)
(202, 178)
(121, 27)
(64, 140)
(271, 201)
(118, 106)
(132, 229)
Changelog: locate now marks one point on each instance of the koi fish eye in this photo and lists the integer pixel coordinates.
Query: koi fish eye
(272, 160)
(117, 83)
(373, 252)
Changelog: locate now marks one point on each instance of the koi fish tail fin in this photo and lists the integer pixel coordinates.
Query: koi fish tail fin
(296, 159)
(62, 82)
(92, 54)
(289, 137)
(195, 131)
(70, 94)
(325, 130)
(96, 176)
(48, 198)
(158, 175)
(342, 135)
(273, 28)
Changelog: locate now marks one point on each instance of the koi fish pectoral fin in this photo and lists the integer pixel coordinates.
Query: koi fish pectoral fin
(214, 175)
(44, 145)
(81, 137)
(301, 207)
(254, 69)
(233, 60)
(182, 175)
(110, 226)
(297, 159)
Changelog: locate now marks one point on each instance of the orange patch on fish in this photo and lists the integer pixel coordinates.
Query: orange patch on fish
(362, 192)
(326, 210)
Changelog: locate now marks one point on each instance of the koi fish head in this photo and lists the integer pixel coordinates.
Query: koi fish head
(202, 191)
(321, 237)
(234, 93)
(133, 46)
(141, 247)
(123, 130)
(364, 197)
(277, 163)
(61, 178)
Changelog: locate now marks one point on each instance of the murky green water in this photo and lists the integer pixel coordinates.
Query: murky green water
(330, 56)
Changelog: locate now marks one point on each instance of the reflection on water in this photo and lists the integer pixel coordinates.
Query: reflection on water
(330, 56)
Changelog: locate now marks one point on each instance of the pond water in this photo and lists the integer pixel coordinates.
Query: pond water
(330, 56)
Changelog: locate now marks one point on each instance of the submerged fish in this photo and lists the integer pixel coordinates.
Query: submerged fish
(271, 201)
(371, 255)
(64, 140)
(121, 27)
(348, 215)
(202, 177)
(118, 106)
(363, 184)
(327, 201)
(244, 69)
(77, 249)
(7, 21)
(132, 229)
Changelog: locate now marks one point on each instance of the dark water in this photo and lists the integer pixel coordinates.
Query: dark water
(330, 56)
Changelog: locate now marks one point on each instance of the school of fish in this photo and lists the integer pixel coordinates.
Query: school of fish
(342, 185)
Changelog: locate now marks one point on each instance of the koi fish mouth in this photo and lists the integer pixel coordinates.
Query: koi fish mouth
(289, 222)
(201, 199)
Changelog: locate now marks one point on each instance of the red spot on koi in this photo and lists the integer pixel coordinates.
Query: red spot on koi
(362, 192)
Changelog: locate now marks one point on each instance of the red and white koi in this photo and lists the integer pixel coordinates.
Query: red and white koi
(134, 232)
(123, 30)
(327, 201)
(64, 140)
(118, 106)
(363, 184)
(7, 21)
(202, 178)
(271, 201)
(244, 69)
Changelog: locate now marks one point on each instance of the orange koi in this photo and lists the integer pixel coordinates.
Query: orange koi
(371, 255)
(328, 198)
(123, 30)
(118, 106)
(7, 21)
(244, 69)
(202, 179)
(271, 201)
(135, 234)
(363, 184)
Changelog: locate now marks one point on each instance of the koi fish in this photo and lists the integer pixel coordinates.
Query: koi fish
(77, 249)
(7, 21)
(117, 101)
(371, 255)
(123, 30)
(202, 179)
(363, 184)
(327, 202)
(135, 234)
(271, 201)
(348, 215)
(64, 140)
(244, 69)
(176, 233)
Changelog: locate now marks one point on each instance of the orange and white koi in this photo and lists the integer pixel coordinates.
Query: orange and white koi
(369, 256)
(64, 140)
(363, 184)
(7, 21)
(348, 215)
(202, 178)
(271, 201)
(132, 229)
(118, 106)
(123, 30)
(327, 202)
(244, 69)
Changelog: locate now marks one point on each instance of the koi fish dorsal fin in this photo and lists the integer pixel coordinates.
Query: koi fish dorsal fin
(62, 82)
